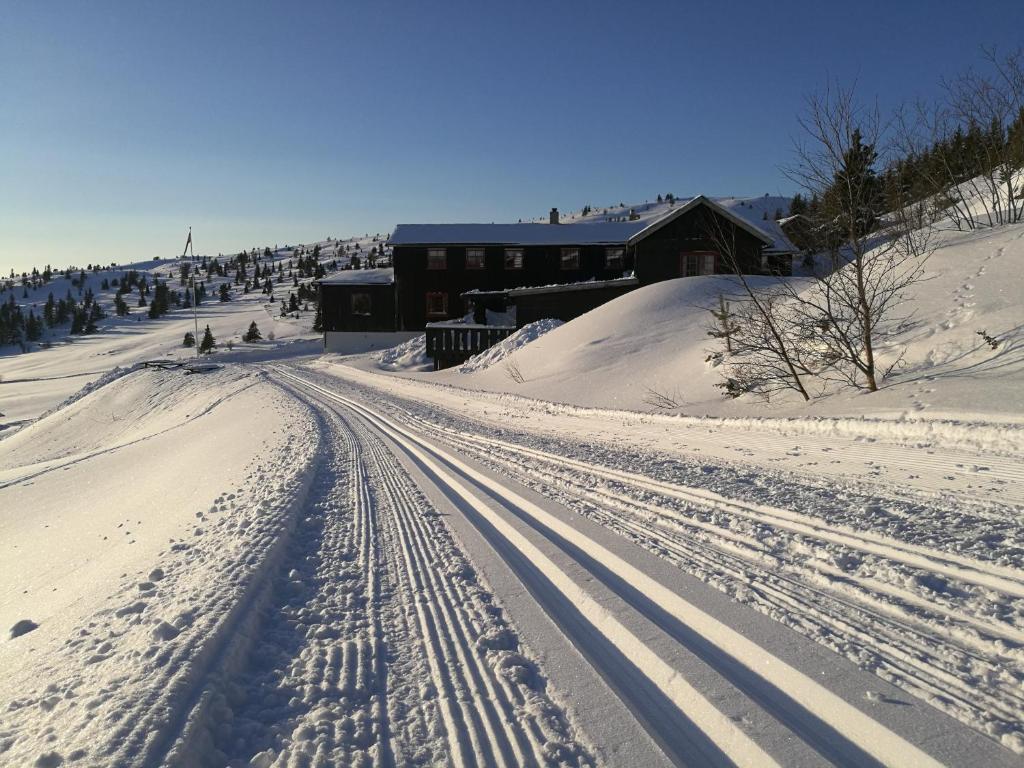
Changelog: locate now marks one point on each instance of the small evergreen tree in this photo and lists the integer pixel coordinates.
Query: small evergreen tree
(253, 334)
(208, 343)
(190, 339)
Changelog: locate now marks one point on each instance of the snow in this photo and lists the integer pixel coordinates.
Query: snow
(508, 346)
(409, 355)
(361, 277)
(586, 285)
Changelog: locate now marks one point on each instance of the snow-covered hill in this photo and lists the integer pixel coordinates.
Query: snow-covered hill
(654, 341)
(61, 363)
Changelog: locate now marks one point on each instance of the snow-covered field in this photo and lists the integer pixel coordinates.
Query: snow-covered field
(299, 559)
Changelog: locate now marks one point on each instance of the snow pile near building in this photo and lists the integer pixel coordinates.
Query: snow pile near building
(649, 348)
(410, 355)
(651, 338)
(506, 347)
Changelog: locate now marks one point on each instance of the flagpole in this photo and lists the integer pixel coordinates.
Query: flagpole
(195, 289)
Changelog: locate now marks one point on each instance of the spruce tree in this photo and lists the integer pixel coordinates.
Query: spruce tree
(190, 339)
(208, 343)
(253, 334)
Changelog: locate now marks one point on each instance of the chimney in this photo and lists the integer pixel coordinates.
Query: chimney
(553, 216)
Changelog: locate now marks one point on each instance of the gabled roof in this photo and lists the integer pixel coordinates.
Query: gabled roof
(576, 233)
(739, 221)
(580, 233)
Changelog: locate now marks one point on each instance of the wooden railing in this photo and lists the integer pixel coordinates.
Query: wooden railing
(450, 344)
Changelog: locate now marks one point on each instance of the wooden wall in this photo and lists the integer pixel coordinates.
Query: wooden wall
(336, 301)
(658, 256)
(541, 266)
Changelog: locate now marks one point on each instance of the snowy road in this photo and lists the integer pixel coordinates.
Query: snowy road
(706, 680)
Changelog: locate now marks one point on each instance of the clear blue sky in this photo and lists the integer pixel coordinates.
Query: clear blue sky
(271, 122)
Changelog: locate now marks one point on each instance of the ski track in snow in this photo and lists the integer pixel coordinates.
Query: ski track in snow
(324, 613)
(915, 611)
(386, 649)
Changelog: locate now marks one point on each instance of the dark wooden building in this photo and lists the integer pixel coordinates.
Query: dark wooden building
(358, 310)
(437, 265)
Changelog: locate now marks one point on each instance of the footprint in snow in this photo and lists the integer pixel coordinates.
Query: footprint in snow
(23, 627)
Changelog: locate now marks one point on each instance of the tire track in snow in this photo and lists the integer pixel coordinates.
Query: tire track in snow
(814, 713)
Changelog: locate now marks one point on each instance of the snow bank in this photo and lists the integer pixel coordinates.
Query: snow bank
(651, 346)
(651, 338)
(410, 355)
(507, 346)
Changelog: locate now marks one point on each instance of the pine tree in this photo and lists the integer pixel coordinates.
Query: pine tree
(253, 334)
(208, 343)
(224, 294)
(190, 339)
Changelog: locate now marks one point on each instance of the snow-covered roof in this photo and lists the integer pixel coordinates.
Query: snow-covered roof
(582, 233)
(587, 285)
(360, 277)
(590, 231)
(718, 208)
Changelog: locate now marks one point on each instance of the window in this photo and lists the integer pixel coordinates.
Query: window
(614, 258)
(513, 258)
(570, 258)
(437, 304)
(437, 258)
(361, 304)
(474, 258)
(701, 263)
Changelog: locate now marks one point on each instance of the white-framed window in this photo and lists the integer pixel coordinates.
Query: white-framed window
(614, 258)
(570, 258)
(361, 303)
(437, 304)
(513, 258)
(699, 263)
(474, 258)
(437, 258)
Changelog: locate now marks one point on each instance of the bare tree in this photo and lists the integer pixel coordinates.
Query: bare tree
(993, 105)
(765, 356)
(850, 309)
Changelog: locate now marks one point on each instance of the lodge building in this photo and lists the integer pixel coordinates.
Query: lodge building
(468, 285)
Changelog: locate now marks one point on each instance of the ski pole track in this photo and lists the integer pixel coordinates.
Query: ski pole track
(935, 651)
(311, 690)
(849, 722)
(487, 699)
